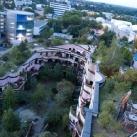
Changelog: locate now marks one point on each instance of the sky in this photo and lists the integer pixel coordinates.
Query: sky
(128, 3)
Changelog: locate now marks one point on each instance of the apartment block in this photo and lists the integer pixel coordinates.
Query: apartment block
(60, 8)
(19, 26)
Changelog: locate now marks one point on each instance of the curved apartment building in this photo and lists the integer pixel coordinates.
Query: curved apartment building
(75, 55)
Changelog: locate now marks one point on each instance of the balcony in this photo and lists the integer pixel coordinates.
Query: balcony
(18, 84)
(91, 71)
(87, 88)
(72, 114)
(88, 83)
(82, 115)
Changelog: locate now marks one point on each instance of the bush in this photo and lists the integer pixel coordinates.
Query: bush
(108, 106)
(10, 121)
(56, 42)
(9, 98)
(39, 94)
(104, 119)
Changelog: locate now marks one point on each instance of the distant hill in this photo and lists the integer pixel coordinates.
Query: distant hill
(103, 7)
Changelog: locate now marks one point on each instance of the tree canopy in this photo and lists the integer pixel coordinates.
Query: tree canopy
(9, 99)
(10, 121)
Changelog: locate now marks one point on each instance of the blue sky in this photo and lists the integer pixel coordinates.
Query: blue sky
(129, 3)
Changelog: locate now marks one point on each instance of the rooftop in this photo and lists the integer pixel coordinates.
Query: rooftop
(20, 12)
(121, 22)
(39, 23)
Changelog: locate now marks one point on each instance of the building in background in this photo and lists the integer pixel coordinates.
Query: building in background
(8, 4)
(2, 24)
(60, 8)
(39, 26)
(62, 36)
(22, 2)
(123, 29)
(19, 26)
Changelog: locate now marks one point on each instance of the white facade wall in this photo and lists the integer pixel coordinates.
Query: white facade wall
(60, 8)
(22, 2)
(11, 27)
(123, 29)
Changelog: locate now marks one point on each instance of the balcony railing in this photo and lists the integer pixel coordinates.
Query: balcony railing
(72, 114)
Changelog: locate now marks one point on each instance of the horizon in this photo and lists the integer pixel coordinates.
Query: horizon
(125, 3)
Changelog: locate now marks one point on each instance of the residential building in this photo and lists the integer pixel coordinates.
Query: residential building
(100, 20)
(8, 4)
(19, 26)
(60, 8)
(39, 6)
(78, 56)
(2, 24)
(62, 36)
(134, 28)
(22, 2)
(39, 25)
(39, 9)
(123, 29)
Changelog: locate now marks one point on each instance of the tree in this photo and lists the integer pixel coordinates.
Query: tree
(46, 33)
(56, 42)
(48, 134)
(64, 95)
(127, 55)
(31, 82)
(65, 120)
(131, 75)
(46, 72)
(9, 98)
(135, 43)
(70, 75)
(71, 18)
(10, 121)
(104, 119)
(108, 106)
(64, 86)
(39, 94)
(74, 30)
(57, 25)
(20, 53)
(58, 72)
(4, 133)
(122, 87)
(48, 9)
(54, 115)
(112, 61)
(28, 9)
(107, 37)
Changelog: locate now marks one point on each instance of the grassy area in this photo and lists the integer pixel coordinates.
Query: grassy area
(98, 131)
